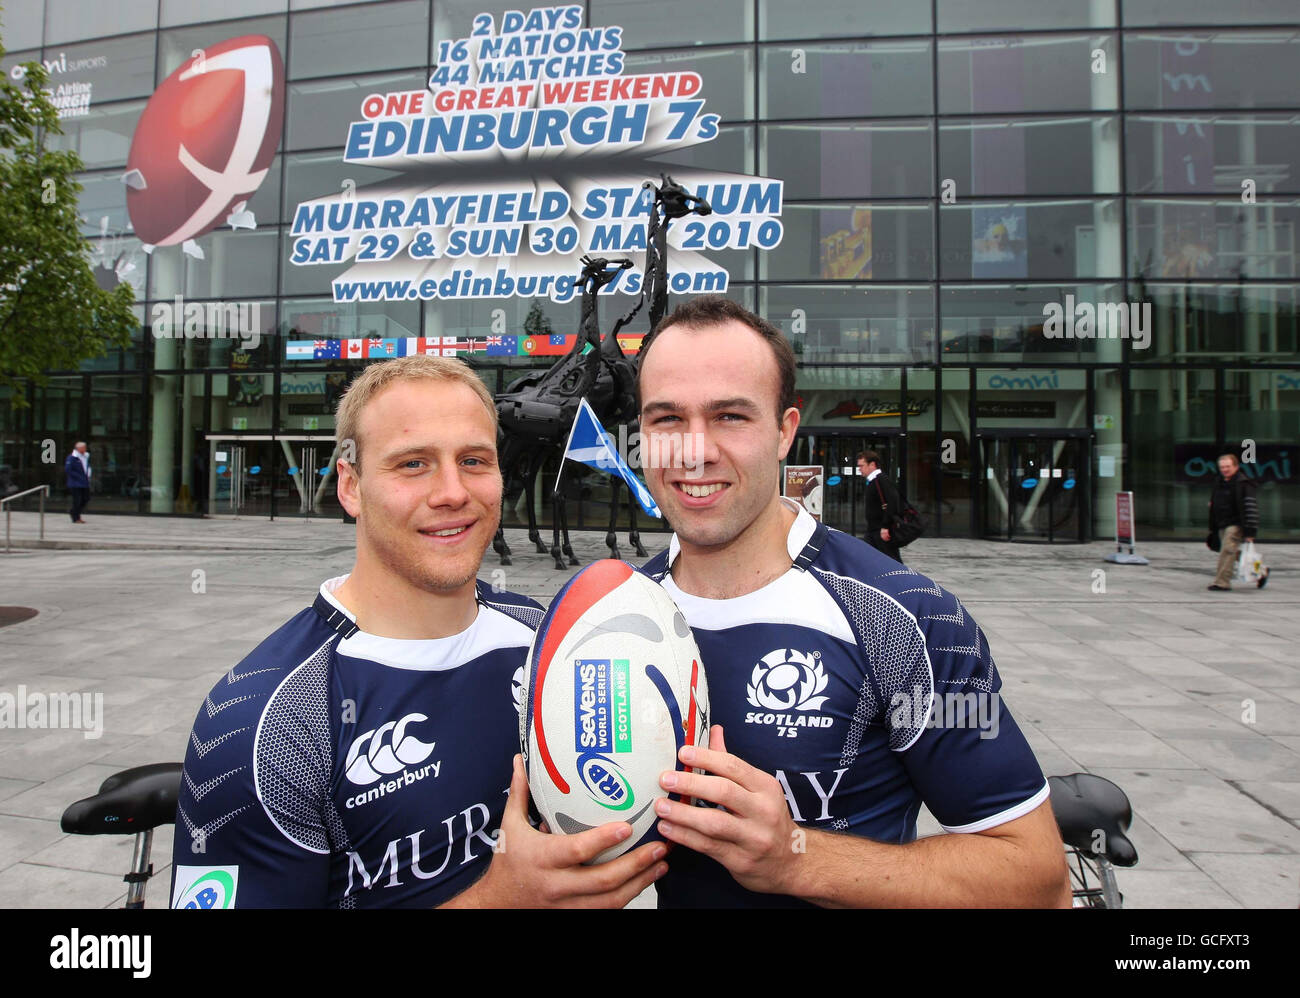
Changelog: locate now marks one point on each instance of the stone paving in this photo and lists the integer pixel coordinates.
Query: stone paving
(1189, 700)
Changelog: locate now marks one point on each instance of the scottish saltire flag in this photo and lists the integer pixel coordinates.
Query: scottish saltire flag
(590, 444)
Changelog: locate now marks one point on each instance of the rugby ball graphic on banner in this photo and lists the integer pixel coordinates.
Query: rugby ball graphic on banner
(205, 140)
(612, 690)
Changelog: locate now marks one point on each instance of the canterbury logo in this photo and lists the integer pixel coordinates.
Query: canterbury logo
(386, 750)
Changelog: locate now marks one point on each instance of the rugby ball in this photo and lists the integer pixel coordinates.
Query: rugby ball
(612, 690)
(205, 140)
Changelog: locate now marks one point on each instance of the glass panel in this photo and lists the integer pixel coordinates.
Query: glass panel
(1006, 322)
(176, 12)
(880, 159)
(853, 242)
(1020, 15)
(73, 20)
(313, 175)
(1263, 408)
(853, 324)
(10, 60)
(24, 24)
(1228, 69)
(1172, 412)
(676, 22)
(1205, 322)
(955, 459)
(114, 69)
(214, 333)
(839, 81)
(178, 44)
(323, 319)
(1030, 73)
(836, 451)
(1044, 156)
(780, 19)
(319, 113)
(358, 40)
(727, 77)
(1036, 240)
(1200, 239)
(235, 265)
(732, 152)
(1213, 152)
(102, 137)
(1180, 12)
(118, 444)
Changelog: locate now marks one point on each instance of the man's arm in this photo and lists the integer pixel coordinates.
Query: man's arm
(1018, 863)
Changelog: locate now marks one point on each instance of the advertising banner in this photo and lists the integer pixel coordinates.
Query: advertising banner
(803, 484)
(528, 150)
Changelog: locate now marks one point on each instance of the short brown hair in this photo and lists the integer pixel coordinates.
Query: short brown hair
(1235, 460)
(870, 457)
(713, 310)
(375, 378)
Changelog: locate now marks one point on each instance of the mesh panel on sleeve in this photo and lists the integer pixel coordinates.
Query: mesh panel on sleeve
(294, 758)
(896, 657)
(529, 616)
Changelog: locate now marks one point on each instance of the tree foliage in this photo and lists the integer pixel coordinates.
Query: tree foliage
(53, 313)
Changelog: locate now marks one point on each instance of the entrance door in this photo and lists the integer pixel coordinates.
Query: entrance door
(1035, 485)
(309, 487)
(240, 476)
(842, 500)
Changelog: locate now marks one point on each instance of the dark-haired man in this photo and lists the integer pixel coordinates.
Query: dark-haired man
(883, 505)
(824, 658)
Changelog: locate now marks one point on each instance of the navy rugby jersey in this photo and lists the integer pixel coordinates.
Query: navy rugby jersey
(335, 768)
(825, 678)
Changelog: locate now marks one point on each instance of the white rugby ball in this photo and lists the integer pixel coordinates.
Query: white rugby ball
(614, 687)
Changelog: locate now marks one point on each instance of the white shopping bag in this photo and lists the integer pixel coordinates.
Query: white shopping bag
(1250, 566)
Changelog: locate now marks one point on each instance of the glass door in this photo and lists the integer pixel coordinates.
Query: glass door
(308, 486)
(240, 476)
(1034, 487)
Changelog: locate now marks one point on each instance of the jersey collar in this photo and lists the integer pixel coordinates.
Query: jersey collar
(802, 542)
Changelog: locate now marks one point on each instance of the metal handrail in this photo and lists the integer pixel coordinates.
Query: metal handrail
(44, 490)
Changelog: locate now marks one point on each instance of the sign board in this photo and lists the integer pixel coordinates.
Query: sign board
(526, 151)
(1125, 533)
(803, 484)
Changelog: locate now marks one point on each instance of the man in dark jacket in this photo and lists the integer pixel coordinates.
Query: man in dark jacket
(1234, 516)
(884, 505)
(76, 468)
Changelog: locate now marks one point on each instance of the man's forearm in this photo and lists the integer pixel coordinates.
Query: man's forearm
(942, 871)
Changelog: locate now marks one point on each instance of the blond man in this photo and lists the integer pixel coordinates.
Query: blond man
(362, 755)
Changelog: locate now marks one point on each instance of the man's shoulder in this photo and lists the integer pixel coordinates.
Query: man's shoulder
(234, 706)
(517, 607)
(858, 575)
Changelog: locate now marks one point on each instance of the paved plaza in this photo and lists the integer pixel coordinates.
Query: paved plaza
(1188, 699)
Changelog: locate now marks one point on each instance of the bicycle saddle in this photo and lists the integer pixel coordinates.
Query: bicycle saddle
(131, 801)
(1085, 804)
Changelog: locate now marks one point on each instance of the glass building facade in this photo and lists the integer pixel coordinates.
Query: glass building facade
(953, 172)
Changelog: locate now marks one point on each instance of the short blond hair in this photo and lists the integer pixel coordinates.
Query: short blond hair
(375, 378)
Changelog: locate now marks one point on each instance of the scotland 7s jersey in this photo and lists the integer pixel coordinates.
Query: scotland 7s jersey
(866, 689)
(336, 768)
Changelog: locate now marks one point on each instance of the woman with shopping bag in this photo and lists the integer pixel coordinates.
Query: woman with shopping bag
(1234, 517)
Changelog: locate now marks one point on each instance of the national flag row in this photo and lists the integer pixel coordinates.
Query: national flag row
(443, 346)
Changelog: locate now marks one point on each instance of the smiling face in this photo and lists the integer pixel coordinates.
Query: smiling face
(716, 386)
(427, 497)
